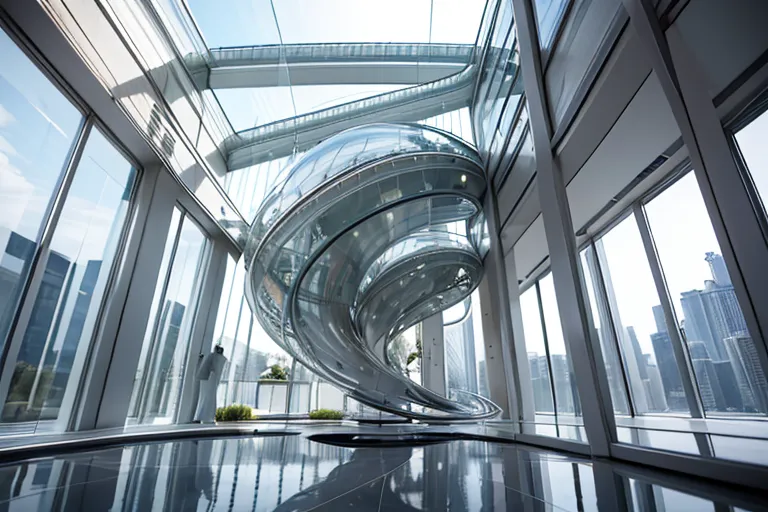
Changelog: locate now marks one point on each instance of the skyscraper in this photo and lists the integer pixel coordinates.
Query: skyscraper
(729, 385)
(670, 377)
(713, 314)
(697, 325)
(540, 381)
(563, 390)
(749, 375)
(658, 316)
(709, 385)
(654, 389)
(461, 368)
(718, 269)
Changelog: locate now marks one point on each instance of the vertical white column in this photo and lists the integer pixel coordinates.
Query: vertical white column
(433, 354)
(90, 394)
(579, 333)
(116, 394)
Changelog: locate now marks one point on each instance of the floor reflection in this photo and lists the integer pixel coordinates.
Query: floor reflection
(292, 473)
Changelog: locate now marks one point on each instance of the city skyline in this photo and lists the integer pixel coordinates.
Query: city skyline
(722, 354)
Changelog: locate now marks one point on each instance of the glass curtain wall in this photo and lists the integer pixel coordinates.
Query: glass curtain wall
(165, 350)
(65, 192)
(257, 370)
(555, 397)
(723, 355)
(702, 343)
(465, 367)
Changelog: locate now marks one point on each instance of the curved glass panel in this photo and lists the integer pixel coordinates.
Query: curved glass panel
(373, 230)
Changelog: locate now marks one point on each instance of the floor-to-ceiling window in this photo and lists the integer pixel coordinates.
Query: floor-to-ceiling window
(465, 367)
(257, 371)
(684, 342)
(723, 354)
(65, 192)
(165, 349)
(640, 330)
(555, 397)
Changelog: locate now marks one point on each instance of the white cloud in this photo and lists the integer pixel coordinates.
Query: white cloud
(15, 194)
(6, 148)
(6, 117)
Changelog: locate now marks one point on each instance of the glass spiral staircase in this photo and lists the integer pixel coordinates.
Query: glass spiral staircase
(372, 231)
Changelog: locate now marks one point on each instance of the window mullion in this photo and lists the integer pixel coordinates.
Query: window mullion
(681, 354)
(549, 358)
(141, 403)
(604, 307)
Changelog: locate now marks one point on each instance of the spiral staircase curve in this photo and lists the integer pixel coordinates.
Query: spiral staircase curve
(371, 231)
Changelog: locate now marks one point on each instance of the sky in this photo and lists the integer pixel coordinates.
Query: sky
(682, 233)
(254, 22)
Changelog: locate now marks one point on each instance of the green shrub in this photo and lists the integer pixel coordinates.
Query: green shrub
(276, 372)
(234, 412)
(325, 414)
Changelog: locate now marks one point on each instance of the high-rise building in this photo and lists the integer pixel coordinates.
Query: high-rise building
(670, 376)
(729, 385)
(709, 385)
(658, 317)
(461, 369)
(713, 314)
(562, 382)
(541, 383)
(697, 326)
(724, 313)
(751, 380)
(718, 269)
(654, 389)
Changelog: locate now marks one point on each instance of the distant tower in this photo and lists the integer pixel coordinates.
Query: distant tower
(718, 269)
(658, 316)
(709, 385)
(697, 322)
(670, 376)
(654, 389)
(749, 375)
(542, 386)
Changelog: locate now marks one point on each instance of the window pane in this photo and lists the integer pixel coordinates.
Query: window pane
(247, 377)
(566, 395)
(77, 268)
(464, 354)
(38, 126)
(646, 347)
(548, 15)
(607, 345)
(724, 357)
(165, 263)
(751, 140)
(160, 387)
(537, 352)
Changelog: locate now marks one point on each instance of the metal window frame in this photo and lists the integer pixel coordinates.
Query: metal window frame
(34, 280)
(682, 357)
(540, 304)
(727, 199)
(109, 397)
(578, 330)
(158, 314)
(601, 298)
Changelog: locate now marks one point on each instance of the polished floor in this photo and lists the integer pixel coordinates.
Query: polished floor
(360, 471)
